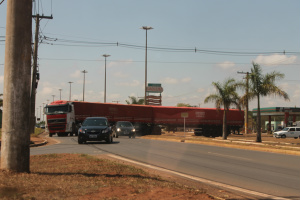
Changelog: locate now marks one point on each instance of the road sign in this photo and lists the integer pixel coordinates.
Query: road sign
(185, 115)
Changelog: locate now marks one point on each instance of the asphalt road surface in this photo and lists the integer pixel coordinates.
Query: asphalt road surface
(268, 173)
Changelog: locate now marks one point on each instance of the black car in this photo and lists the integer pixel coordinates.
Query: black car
(124, 128)
(95, 129)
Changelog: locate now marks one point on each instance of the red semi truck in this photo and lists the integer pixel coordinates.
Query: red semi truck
(64, 117)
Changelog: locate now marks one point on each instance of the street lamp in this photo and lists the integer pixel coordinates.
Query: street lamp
(146, 28)
(84, 72)
(60, 93)
(105, 56)
(70, 90)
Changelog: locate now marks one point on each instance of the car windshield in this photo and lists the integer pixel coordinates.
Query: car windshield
(285, 129)
(124, 124)
(95, 122)
(57, 109)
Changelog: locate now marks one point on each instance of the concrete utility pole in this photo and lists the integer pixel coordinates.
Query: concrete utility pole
(246, 103)
(35, 74)
(16, 95)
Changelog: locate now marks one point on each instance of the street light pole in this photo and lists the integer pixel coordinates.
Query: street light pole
(84, 72)
(146, 28)
(60, 93)
(105, 56)
(70, 90)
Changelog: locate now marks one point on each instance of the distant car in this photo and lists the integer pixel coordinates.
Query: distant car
(124, 128)
(292, 132)
(95, 129)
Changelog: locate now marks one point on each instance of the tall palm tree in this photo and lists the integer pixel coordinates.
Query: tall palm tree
(134, 100)
(225, 96)
(263, 85)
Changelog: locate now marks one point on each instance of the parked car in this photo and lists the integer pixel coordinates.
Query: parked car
(124, 128)
(288, 132)
(95, 129)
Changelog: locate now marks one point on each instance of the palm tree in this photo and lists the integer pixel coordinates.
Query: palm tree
(263, 85)
(134, 100)
(225, 96)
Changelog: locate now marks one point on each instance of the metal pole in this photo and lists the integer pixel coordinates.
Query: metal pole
(145, 100)
(70, 90)
(84, 72)
(60, 93)
(105, 56)
(146, 28)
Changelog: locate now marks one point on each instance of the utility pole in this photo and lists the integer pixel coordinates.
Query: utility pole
(84, 72)
(15, 151)
(70, 90)
(35, 74)
(246, 102)
(60, 93)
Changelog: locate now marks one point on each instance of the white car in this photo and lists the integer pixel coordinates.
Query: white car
(291, 132)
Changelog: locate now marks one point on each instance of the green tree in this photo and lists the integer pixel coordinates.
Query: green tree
(263, 85)
(225, 96)
(184, 105)
(134, 100)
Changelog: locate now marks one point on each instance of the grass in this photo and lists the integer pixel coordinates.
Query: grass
(80, 176)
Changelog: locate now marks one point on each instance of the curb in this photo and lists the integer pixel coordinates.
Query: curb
(39, 144)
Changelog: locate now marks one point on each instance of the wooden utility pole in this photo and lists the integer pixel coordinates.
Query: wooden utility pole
(35, 74)
(16, 95)
(246, 102)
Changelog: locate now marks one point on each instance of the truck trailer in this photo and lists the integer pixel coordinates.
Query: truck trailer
(65, 117)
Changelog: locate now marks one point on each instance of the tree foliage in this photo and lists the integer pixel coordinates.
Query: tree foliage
(225, 97)
(263, 85)
(184, 105)
(134, 100)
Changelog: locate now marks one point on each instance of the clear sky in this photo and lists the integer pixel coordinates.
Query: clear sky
(77, 36)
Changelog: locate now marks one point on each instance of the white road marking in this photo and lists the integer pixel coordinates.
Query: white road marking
(202, 180)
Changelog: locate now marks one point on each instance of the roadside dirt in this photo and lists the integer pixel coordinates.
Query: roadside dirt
(195, 190)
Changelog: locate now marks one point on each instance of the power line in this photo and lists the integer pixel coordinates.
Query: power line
(80, 43)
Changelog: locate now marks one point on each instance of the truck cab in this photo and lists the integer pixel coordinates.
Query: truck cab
(60, 118)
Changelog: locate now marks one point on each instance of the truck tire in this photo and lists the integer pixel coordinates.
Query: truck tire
(283, 136)
(50, 134)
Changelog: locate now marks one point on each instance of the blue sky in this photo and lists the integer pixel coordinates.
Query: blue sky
(239, 26)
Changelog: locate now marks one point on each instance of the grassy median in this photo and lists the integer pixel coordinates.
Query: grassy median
(79, 176)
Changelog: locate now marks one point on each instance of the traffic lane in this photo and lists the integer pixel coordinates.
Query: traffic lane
(224, 165)
(264, 172)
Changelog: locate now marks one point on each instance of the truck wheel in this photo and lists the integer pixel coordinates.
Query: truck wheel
(50, 134)
(283, 136)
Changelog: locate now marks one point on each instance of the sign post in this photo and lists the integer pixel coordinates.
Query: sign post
(184, 115)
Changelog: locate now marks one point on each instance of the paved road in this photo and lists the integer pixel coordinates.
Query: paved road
(269, 173)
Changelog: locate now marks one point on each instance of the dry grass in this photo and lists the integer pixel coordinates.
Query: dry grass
(270, 144)
(79, 176)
